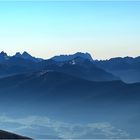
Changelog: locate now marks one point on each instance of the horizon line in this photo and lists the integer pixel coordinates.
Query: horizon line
(66, 54)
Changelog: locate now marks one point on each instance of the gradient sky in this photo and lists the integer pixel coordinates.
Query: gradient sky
(104, 29)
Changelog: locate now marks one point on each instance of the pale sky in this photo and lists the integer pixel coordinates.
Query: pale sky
(47, 28)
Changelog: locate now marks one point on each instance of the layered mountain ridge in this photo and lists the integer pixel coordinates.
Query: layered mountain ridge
(126, 69)
(79, 65)
(71, 98)
(84, 94)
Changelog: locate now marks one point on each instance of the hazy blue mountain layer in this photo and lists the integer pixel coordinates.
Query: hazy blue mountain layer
(90, 109)
(127, 69)
(70, 96)
(79, 65)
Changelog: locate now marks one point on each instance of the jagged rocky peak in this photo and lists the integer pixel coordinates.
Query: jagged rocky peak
(62, 58)
(83, 55)
(25, 54)
(18, 54)
(3, 54)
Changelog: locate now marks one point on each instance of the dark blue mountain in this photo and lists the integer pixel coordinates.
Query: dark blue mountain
(127, 68)
(79, 67)
(3, 56)
(19, 63)
(62, 58)
(9, 135)
(79, 64)
(15, 65)
(27, 56)
(73, 89)
(72, 99)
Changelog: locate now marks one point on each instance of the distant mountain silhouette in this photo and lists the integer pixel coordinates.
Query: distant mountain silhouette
(64, 84)
(27, 56)
(62, 58)
(79, 64)
(127, 68)
(79, 67)
(3, 56)
(71, 97)
(73, 89)
(19, 63)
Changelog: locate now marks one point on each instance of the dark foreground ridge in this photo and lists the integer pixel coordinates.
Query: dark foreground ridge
(9, 135)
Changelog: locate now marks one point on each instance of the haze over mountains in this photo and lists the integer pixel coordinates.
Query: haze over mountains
(69, 96)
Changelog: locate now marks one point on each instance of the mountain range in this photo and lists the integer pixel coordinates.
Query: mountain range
(70, 98)
(127, 68)
(90, 98)
(79, 64)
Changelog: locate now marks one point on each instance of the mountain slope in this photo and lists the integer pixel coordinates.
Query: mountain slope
(79, 67)
(27, 56)
(61, 84)
(77, 91)
(127, 68)
(8, 135)
(79, 64)
(11, 65)
(71, 99)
